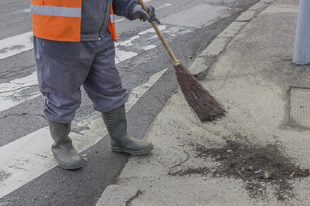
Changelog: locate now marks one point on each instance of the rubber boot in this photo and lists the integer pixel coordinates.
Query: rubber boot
(116, 124)
(62, 149)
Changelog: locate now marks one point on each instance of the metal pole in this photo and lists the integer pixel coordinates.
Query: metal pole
(302, 38)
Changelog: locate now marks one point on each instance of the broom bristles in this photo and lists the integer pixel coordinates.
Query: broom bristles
(199, 99)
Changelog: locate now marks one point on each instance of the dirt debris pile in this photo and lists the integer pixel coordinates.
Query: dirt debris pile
(257, 166)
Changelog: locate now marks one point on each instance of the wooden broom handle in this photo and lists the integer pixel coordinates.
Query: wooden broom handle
(176, 62)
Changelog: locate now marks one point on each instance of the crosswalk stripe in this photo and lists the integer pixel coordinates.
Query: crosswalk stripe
(29, 157)
(12, 93)
(15, 45)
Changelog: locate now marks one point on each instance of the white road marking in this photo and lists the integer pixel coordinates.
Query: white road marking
(163, 6)
(12, 93)
(149, 47)
(29, 157)
(122, 55)
(119, 20)
(151, 30)
(16, 45)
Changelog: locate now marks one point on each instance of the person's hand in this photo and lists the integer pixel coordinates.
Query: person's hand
(139, 13)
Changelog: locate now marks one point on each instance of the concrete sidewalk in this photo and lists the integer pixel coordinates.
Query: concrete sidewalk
(258, 153)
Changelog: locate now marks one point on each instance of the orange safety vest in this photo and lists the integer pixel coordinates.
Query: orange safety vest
(60, 20)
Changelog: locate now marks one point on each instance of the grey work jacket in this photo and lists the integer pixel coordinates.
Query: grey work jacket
(95, 16)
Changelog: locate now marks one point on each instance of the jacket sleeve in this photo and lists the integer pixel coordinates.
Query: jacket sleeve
(124, 8)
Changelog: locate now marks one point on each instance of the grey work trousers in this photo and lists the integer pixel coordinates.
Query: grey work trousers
(63, 67)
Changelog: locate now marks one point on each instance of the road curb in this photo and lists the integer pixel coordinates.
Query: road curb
(200, 66)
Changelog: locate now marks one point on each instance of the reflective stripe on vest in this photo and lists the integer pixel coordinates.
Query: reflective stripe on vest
(55, 11)
(111, 26)
(60, 20)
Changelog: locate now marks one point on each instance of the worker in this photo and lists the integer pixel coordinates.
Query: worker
(74, 47)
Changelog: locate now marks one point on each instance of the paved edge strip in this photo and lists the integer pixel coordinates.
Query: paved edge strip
(219, 44)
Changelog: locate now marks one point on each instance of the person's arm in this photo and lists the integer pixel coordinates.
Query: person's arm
(132, 10)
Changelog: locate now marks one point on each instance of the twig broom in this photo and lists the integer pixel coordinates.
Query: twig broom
(199, 99)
